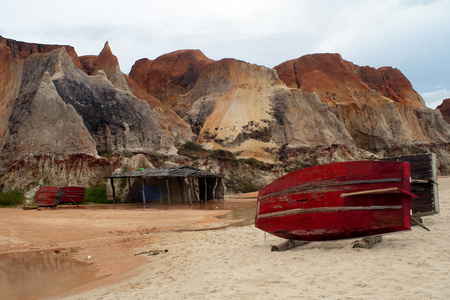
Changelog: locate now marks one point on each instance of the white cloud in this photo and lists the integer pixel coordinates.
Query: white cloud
(436, 97)
(410, 35)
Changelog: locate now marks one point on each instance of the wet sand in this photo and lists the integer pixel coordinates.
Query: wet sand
(56, 252)
(231, 262)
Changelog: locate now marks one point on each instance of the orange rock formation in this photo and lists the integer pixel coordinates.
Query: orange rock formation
(338, 81)
(21, 50)
(444, 108)
(170, 74)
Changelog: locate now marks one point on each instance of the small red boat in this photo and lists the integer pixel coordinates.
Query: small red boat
(72, 194)
(46, 196)
(337, 201)
(53, 196)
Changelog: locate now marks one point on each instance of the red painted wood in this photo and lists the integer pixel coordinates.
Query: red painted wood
(46, 196)
(72, 194)
(307, 204)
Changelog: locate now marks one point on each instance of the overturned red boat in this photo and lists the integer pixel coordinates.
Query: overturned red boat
(53, 196)
(337, 201)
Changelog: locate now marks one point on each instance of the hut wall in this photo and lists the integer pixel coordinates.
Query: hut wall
(211, 183)
(179, 189)
(174, 186)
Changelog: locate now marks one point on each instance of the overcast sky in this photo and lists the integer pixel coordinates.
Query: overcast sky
(410, 35)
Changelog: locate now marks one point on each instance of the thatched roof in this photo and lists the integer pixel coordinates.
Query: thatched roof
(183, 171)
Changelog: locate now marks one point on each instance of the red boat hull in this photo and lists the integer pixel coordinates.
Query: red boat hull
(46, 196)
(53, 196)
(337, 201)
(72, 194)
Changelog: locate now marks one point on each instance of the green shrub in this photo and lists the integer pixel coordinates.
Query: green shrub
(106, 155)
(12, 198)
(222, 154)
(254, 162)
(97, 194)
(193, 146)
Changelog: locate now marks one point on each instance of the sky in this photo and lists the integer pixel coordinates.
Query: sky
(410, 35)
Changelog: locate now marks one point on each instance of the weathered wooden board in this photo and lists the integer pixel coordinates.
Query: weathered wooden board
(46, 196)
(72, 194)
(424, 183)
(53, 196)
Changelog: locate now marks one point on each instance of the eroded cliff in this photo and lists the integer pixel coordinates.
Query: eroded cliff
(59, 112)
(378, 107)
(444, 109)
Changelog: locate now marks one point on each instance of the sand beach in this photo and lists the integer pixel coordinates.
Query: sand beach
(121, 254)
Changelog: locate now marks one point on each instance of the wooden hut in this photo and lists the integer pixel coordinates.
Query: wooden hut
(171, 185)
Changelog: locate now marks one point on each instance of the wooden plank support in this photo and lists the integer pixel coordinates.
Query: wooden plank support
(418, 221)
(289, 244)
(367, 242)
(434, 181)
(214, 190)
(189, 189)
(168, 188)
(129, 189)
(160, 190)
(143, 191)
(113, 190)
(181, 185)
(64, 194)
(206, 190)
(223, 189)
(193, 188)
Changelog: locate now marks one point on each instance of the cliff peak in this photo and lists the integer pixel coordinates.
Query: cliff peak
(336, 80)
(444, 108)
(169, 74)
(22, 50)
(108, 63)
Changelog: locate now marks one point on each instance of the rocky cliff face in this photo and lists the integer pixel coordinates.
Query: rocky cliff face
(337, 81)
(171, 74)
(378, 107)
(54, 109)
(242, 107)
(314, 101)
(59, 111)
(107, 63)
(22, 50)
(444, 109)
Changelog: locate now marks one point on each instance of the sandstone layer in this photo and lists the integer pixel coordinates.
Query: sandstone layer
(228, 102)
(378, 107)
(107, 63)
(60, 111)
(54, 110)
(444, 108)
(337, 81)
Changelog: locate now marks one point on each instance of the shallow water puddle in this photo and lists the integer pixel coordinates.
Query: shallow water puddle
(38, 274)
(245, 215)
(197, 205)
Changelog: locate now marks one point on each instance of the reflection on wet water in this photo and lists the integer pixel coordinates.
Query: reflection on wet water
(244, 211)
(38, 274)
(228, 204)
(245, 215)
